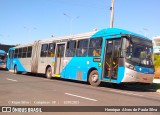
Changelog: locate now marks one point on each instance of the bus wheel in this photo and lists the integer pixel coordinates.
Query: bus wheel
(49, 72)
(93, 78)
(15, 70)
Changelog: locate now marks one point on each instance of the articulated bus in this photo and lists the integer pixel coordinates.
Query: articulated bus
(3, 58)
(109, 55)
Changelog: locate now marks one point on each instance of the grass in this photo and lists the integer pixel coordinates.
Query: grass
(157, 65)
(154, 86)
(156, 61)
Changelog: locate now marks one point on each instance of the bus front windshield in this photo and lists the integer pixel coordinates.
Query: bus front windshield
(140, 51)
(2, 57)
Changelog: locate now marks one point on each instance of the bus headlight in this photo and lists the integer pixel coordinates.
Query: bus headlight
(130, 66)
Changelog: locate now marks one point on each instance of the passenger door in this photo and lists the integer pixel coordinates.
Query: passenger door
(60, 50)
(11, 56)
(111, 58)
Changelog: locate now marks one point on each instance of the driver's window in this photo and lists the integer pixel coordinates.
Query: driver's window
(125, 48)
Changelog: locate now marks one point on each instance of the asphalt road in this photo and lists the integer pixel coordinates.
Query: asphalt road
(30, 90)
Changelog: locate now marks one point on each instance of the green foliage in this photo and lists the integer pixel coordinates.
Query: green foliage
(156, 60)
(17, 44)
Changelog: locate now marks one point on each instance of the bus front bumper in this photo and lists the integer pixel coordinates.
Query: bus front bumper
(134, 76)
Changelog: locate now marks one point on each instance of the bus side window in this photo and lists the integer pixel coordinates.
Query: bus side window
(16, 53)
(24, 52)
(82, 48)
(95, 47)
(29, 52)
(20, 53)
(71, 48)
(44, 50)
(51, 51)
(96, 52)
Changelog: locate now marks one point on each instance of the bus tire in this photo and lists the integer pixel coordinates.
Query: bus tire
(15, 70)
(93, 78)
(49, 73)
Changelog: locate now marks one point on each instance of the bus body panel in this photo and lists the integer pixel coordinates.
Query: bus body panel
(145, 70)
(121, 71)
(20, 67)
(78, 67)
(43, 62)
(26, 63)
(134, 76)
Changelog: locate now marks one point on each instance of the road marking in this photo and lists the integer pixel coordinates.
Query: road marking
(80, 97)
(44, 79)
(11, 80)
(127, 93)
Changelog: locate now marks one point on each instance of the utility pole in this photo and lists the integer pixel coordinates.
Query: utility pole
(112, 14)
(71, 21)
(145, 31)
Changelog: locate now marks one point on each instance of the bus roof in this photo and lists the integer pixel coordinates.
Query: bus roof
(117, 31)
(2, 52)
(105, 32)
(69, 37)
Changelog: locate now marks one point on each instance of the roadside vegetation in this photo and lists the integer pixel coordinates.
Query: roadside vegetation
(152, 86)
(157, 65)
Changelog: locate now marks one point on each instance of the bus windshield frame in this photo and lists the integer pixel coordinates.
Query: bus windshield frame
(3, 56)
(138, 51)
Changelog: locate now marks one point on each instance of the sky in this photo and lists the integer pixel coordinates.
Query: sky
(25, 21)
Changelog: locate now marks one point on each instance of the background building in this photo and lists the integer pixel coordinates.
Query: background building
(156, 43)
(5, 47)
(156, 48)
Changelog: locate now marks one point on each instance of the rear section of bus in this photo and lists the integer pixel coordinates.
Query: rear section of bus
(3, 57)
